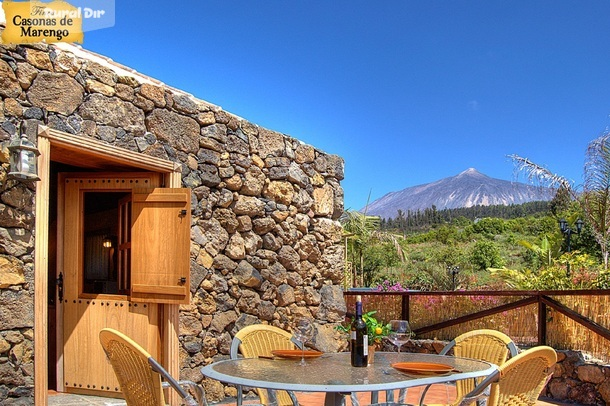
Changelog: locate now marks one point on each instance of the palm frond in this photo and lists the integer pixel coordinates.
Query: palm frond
(597, 187)
(597, 164)
(355, 222)
(539, 175)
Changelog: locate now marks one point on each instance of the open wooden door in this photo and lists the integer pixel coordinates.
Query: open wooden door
(62, 151)
(126, 241)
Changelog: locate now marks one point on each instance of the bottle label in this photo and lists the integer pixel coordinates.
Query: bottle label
(365, 341)
(353, 334)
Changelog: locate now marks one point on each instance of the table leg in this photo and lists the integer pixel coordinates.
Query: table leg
(272, 398)
(389, 396)
(334, 399)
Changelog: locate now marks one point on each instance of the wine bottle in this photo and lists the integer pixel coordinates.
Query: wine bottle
(359, 338)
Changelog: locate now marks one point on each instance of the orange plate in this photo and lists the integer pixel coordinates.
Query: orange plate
(296, 353)
(422, 368)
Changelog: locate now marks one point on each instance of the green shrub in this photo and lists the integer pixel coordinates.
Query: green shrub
(486, 254)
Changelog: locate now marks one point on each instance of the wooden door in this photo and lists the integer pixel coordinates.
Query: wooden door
(159, 267)
(98, 236)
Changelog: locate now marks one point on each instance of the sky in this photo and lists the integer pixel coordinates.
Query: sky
(407, 92)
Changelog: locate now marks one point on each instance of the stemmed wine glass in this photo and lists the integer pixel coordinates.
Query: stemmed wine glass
(303, 332)
(400, 333)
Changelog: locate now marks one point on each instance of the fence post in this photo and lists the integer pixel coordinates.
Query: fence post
(404, 313)
(541, 321)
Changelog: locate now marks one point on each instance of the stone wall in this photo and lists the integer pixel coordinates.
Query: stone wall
(265, 240)
(575, 379)
(578, 380)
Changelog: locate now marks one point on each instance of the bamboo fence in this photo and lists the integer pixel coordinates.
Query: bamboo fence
(522, 323)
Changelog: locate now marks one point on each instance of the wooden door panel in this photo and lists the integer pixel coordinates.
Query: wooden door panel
(160, 244)
(86, 367)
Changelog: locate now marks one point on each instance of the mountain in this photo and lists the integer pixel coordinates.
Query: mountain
(467, 189)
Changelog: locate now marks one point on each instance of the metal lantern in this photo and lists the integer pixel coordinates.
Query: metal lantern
(107, 242)
(579, 224)
(23, 159)
(563, 225)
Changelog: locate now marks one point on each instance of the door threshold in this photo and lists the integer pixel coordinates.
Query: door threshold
(72, 399)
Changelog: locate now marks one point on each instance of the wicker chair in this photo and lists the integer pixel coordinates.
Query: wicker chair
(485, 345)
(519, 381)
(140, 377)
(259, 340)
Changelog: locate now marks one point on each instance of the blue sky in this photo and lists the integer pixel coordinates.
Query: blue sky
(406, 91)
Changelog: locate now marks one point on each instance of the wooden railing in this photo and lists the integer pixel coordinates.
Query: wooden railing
(563, 319)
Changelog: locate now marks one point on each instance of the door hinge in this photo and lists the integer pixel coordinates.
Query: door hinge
(59, 282)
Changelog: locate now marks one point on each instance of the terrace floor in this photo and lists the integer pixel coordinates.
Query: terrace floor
(437, 394)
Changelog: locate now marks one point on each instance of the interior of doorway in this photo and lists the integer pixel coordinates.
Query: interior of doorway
(52, 297)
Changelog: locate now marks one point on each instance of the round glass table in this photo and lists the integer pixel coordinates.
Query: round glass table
(333, 374)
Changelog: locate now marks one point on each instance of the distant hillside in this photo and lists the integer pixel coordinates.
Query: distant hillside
(467, 189)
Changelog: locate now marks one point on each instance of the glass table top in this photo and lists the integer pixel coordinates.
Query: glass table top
(333, 372)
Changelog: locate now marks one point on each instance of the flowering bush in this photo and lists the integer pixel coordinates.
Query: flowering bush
(387, 286)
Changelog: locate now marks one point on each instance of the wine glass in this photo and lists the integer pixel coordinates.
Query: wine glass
(400, 333)
(303, 332)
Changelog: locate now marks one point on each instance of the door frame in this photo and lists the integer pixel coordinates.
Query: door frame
(82, 151)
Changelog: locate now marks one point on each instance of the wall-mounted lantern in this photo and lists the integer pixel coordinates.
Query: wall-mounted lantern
(23, 159)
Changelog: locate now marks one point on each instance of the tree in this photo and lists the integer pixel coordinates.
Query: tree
(561, 201)
(595, 200)
(378, 257)
(362, 231)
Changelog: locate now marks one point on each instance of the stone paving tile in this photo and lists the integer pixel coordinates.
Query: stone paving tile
(65, 399)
